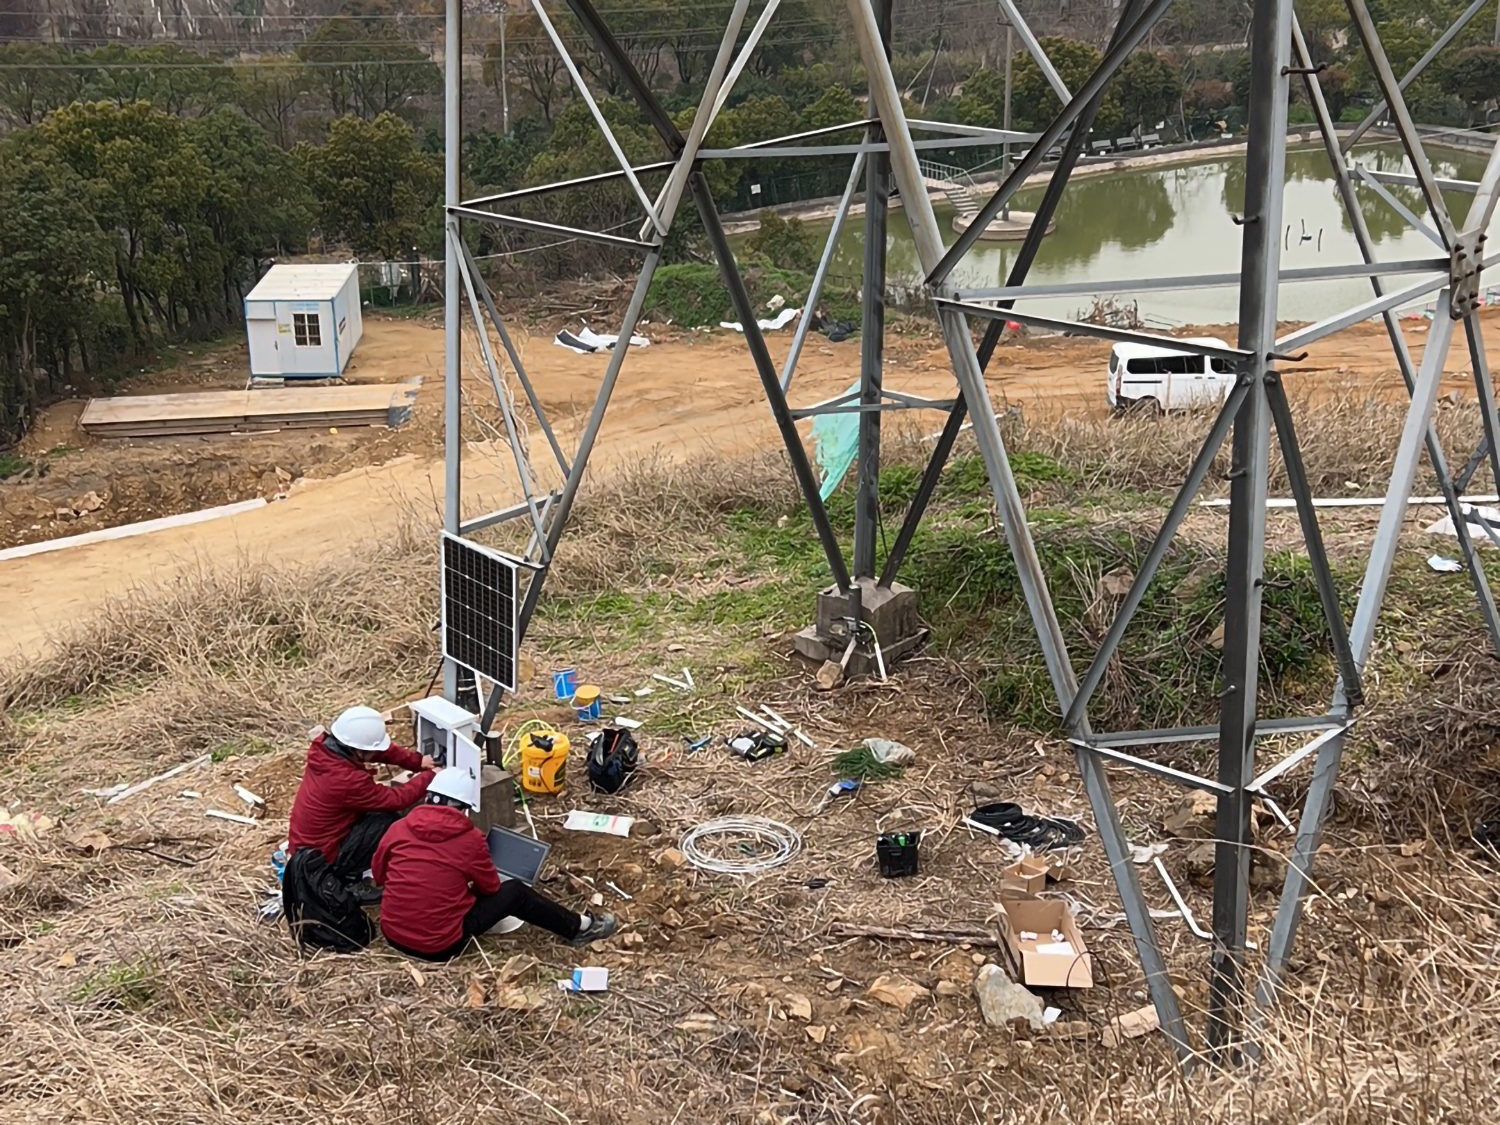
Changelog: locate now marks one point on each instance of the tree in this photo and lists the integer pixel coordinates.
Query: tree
(372, 185)
(687, 32)
(1324, 23)
(256, 203)
(35, 79)
(498, 162)
(641, 29)
(1033, 101)
(361, 67)
(146, 182)
(797, 25)
(53, 251)
(834, 106)
(1473, 77)
(532, 59)
(269, 92)
(982, 101)
(169, 76)
(1148, 90)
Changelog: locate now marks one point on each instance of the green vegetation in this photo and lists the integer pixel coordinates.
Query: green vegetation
(144, 187)
(128, 986)
(1166, 671)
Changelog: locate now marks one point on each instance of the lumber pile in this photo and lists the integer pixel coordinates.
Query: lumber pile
(226, 412)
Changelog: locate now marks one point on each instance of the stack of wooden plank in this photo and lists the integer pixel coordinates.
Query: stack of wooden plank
(225, 412)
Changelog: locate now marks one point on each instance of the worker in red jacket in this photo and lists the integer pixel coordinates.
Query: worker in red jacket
(340, 809)
(441, 888)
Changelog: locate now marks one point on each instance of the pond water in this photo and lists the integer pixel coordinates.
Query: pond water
(1156, 222)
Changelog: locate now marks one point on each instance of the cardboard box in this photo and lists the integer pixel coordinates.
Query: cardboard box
(1028, 876)
(1039, 961)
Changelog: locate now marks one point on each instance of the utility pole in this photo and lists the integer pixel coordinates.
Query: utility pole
(1010, 33)
(504, 74)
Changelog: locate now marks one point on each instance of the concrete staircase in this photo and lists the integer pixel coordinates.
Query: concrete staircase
(955, 185)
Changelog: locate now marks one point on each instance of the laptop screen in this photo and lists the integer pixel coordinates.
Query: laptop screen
(516, 856)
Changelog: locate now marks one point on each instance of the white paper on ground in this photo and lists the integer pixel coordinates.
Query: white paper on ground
(1477, 533)
(592, 341)
(1063, 948)
(580, 821)
(781, 320)
(1444, 565)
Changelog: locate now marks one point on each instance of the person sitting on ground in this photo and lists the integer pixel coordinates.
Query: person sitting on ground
(340, 809)
(441, 888)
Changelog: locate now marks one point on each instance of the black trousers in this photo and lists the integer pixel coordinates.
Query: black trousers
(513, 899)
(357, 851)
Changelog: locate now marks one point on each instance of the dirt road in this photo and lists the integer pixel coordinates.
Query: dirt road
(684, 396)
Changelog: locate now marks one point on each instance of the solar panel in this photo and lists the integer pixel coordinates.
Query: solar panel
(479, 610)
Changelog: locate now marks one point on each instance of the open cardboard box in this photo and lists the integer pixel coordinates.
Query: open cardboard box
(1041, 962)
(1027, 875)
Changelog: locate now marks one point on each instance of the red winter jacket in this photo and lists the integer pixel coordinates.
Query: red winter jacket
(431, 863)
(335, 790)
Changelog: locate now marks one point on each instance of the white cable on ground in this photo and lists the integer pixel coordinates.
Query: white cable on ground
(764, 843)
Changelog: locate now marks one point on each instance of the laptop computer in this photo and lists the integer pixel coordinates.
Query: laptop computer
(516, 856)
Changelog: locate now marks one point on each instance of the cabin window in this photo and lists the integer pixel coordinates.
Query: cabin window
(307, 330)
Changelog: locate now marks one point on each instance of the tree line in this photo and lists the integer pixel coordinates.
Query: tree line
(144, 187)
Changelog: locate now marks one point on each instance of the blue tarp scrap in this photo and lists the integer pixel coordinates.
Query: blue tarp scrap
(835, 445)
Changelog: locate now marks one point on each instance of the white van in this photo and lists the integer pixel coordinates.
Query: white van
(1149, 377)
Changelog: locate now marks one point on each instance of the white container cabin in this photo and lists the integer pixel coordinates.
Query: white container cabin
(303, 321)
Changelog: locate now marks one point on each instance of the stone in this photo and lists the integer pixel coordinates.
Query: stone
(897, 991)
(799, 1007)
(830, 675)
(645, 829)
(671, 859)
(1131, 1025)
(984, 791)
(1002, 1000)
(947, 988)
(817, 1034)
(1116, 584)
(1187, 823)
(670, 917)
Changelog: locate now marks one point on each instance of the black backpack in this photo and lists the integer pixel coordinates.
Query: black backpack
(320, 908)
(613, 756)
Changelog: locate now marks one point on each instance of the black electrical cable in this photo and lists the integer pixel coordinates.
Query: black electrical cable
(1042, 833)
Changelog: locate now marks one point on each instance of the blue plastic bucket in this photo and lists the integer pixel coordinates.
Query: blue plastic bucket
(565, 683)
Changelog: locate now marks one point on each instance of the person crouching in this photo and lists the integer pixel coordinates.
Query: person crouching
(340, 809)
(441, 889)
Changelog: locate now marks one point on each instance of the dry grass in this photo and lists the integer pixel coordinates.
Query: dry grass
(137, 985)
(1346, 438)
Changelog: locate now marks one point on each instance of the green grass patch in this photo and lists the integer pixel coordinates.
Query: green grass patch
(11, 464)
(967, 476)
(129, 986)
(1167, 667)
(241, 748)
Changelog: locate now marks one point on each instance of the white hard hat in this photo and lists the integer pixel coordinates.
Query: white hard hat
(459, 784)
(362, 728)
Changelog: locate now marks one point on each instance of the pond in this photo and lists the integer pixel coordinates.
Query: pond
(1173, 221)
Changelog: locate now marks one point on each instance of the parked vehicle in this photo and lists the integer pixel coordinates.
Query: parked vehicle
(1152, 378)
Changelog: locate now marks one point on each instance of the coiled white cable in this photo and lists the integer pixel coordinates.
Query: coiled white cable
(764, 844)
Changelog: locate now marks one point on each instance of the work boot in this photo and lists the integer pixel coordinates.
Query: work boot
(366, 893)
(601, 926)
